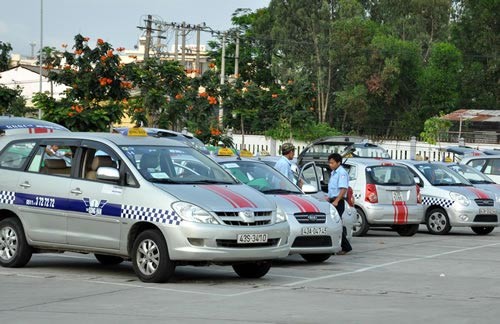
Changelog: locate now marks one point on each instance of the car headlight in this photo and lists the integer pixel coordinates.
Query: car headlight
(193, 213)
(461, 199)
(334, 214)
(280, 215)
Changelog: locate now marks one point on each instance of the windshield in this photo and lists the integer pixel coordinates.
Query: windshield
(261, 177)
(471, 174)
(176, 165)
(440, 175)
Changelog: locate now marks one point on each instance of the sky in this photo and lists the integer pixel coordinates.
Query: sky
(112, 20)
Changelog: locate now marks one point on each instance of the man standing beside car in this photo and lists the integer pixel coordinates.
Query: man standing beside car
(337, 192)
(284, 164)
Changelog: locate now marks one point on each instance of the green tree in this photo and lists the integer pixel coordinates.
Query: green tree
(5, 49)
(435, 129)
(97, 88)
(476, 33)
(11, 102)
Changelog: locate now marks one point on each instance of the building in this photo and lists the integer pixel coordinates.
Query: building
(476, 126)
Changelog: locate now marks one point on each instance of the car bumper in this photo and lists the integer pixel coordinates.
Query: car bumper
(305, 239)
(218, 243)
(473, 216)
(388, 214)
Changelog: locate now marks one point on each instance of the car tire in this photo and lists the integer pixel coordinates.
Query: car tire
(252, 269)
(108, 259)
(315, 258)
(150, 258)
(363, 227)
(406, 230)
(482, 230)
(437, 221)
(15, 251)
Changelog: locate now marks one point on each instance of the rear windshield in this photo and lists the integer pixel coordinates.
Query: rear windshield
(389, 175)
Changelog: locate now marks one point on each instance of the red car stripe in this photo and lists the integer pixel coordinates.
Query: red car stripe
(400, 212)
(479, 193)
(233, 198)
(304, 205)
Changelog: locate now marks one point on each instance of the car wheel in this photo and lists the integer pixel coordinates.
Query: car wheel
(14, 249)
(108, 259)
(406, 230)
(252, 269)
(150, 258)
(360, 227)
(482, 230)
(437, 221)
(315, 258)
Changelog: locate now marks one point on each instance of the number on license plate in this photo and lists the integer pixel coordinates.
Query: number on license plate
(314, 231)
(251, 238)
(487, 211)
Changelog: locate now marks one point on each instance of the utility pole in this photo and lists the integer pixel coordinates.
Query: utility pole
(237, 57)
(176, 50)
(197, 66)
(222, 75)
(183, 49)
(41, 51)
(148, 36)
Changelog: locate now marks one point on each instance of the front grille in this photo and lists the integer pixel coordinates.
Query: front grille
(232, 218)
(486, 218)
(484, 202)
(312, 241)
(310, 218)
(234, 243)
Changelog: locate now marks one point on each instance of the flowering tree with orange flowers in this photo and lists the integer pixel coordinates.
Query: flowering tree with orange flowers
(98, 89)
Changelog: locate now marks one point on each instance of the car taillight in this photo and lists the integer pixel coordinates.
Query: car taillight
(350, 197)
(419, 196)
(371, 194)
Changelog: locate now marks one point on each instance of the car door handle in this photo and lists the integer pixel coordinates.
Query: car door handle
(76, 191)
(25, 184)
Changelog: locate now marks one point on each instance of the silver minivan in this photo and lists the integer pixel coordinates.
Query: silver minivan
(132, 198)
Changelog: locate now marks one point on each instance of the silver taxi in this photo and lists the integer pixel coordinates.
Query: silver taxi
(124, 198)
(385, 195)
(315, 226)
(451, 200)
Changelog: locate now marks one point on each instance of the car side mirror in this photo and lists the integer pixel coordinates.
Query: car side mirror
(108, 173)
(418, 181)
(309, 189)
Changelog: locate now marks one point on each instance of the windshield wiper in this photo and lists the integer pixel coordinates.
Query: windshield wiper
(162, 180)
(208, 181)
(279, 191)
(481, 182)
(453, 185)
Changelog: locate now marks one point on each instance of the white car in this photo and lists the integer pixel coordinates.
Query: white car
(315, 226)
(487, 164)
(131, 198)
(451, 200)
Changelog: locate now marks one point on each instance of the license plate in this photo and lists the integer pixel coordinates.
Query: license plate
(314, 231)
(251, 238)
(487, 211)
(396, 196)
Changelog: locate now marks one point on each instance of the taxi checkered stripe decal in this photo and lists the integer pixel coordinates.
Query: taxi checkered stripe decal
(7, 197)
(150, 214)
(437, 201)
(357, 196)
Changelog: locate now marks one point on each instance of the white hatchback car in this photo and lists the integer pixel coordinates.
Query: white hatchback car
(315, 226)
(131, 198)
(451, 200)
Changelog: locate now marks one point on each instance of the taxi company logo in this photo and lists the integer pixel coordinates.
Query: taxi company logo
(94, 207)
(312, 218)
(247, 216)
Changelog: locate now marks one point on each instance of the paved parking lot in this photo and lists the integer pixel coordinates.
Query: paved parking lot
(386, 279)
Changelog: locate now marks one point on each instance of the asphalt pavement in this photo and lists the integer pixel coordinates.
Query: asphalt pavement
(385, 279)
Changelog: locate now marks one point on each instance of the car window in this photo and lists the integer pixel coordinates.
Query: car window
(16, 155)
(470, 173)
(477, 163)
(440, 175)
(492, 167)
(389, 176)
(53, 159)
(95, 156)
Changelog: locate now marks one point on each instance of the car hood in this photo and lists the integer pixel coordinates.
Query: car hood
(470, 192)
(216, 197)
(292, 204)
